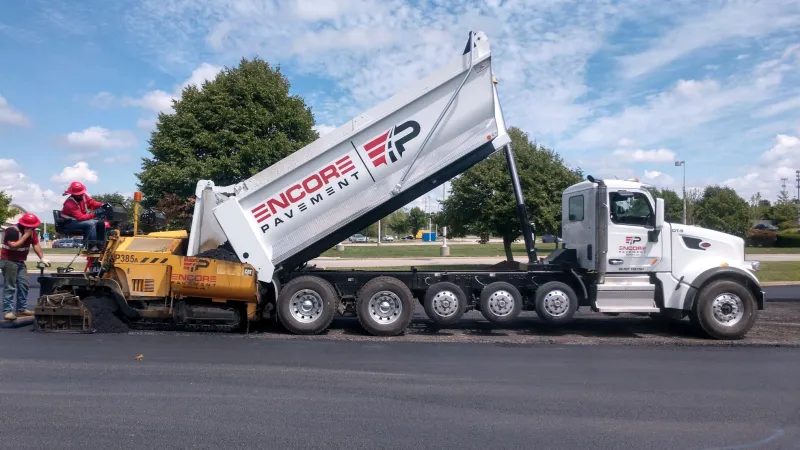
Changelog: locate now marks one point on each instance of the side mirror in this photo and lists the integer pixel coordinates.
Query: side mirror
(659, 213)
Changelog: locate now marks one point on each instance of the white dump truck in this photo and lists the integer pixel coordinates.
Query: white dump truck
(618, 254)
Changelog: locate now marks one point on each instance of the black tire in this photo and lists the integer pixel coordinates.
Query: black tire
(315, 314)
(445, 303)
(397, 311)
(556, 302)
(501, 302)
(732, 300)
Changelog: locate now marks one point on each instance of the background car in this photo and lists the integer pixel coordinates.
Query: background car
(550, 238)
(359, 238)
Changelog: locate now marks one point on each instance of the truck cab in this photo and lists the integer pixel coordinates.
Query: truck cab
(646, 265)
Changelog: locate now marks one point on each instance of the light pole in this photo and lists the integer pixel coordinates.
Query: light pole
(683, 163)
(444, 250)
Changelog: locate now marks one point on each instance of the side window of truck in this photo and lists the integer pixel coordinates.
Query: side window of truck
(576, 208)
(631, 208)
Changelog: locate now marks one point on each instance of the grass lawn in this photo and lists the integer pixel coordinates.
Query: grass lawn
(771, 250)
(59, 251)
(779, 271)
(412, 251)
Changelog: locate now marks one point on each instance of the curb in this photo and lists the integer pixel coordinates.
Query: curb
(781, 283)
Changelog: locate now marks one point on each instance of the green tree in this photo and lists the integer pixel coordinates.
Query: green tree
(417, 220)
(397, 222)
(6, 211)
(693, 197)
(759, 210)
(178, 210)
(239, 124)
(723, 210)
(785, 214)
(482, 199)
(673, 204)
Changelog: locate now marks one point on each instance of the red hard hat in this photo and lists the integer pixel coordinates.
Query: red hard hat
(76, 188)
(29, 220)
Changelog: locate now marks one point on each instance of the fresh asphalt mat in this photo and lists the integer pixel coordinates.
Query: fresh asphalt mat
(777, 325)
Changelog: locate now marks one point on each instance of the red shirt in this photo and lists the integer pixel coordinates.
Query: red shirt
(19, 254)
(80, 211)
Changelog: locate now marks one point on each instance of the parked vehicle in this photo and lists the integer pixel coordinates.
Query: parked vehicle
(359, 238)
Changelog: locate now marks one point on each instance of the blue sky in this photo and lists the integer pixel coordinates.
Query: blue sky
(619, 88)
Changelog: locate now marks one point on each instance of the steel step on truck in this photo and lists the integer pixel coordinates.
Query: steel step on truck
(245, 257)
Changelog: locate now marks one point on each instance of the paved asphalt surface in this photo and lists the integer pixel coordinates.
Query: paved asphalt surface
(244, 391)
(89, 391)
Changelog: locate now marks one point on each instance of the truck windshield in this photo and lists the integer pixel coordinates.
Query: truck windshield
(631, 209)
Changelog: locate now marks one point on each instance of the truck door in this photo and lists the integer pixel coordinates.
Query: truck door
(629, 249)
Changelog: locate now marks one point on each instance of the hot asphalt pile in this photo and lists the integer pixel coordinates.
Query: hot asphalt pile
(104, 317)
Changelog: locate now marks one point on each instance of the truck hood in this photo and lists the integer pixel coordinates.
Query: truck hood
(709, 242)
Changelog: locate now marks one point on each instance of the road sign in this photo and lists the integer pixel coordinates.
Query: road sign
(47, 236)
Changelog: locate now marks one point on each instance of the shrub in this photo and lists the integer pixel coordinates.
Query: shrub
(761, 238)
(788, 238)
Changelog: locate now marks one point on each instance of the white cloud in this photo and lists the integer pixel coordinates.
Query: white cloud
(98, 138)
(625, 142)
(672, 113)
(714, 26)
(638, 155)
(24, 192)
(780, 107)
(103, 100)
(372, 49)
(659, 179)
(161, 101)
(324, 129)
(79, 172)
(10, 116)
(780, 161)
(147, 124)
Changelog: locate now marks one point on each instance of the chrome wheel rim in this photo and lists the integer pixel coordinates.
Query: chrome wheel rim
(306, 305)
(501, 303)
(385, 307)
(556, 303)
(445, 303)
(728, 309)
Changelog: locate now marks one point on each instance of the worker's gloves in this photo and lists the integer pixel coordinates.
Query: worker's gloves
(45, 262)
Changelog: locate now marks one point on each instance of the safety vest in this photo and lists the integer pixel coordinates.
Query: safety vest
(20, 253)
(83, 210)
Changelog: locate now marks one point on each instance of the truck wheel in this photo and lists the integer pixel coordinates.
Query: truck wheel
(306, 305)
(556, 302)
(445, 303)
(501, 302)
(724, 309)
(385, 306)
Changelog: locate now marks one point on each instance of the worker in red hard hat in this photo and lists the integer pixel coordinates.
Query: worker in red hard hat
(17, 243)
(81, 212)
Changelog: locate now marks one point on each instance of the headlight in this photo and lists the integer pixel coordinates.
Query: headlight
(753, 265)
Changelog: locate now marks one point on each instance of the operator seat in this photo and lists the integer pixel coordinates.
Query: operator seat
(59, 221)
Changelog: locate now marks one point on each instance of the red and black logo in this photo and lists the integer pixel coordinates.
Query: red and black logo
(194, 264)
(630, 240)
(391, 143)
